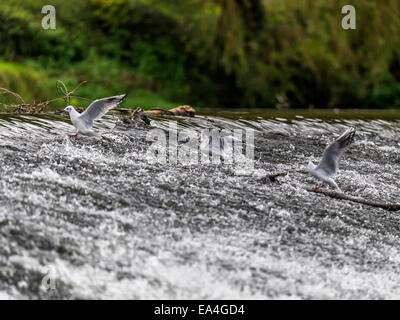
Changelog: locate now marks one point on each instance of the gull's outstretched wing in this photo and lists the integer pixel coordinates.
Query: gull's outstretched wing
(330, 159)
(99, 108)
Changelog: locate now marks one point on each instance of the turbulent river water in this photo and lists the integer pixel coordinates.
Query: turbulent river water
(95, 218)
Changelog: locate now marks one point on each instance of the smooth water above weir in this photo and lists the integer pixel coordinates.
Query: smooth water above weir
(93, 217)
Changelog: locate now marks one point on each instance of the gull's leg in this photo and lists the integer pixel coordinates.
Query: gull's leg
(332, 182)
(318, 187)
(73, 135)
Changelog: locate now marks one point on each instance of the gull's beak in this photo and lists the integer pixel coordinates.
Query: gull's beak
(61, 111)
(301, 163)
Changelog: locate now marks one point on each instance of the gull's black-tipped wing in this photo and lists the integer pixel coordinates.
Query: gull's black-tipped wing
(99, 108)
(331, 156)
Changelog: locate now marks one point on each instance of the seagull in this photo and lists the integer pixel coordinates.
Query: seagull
(329, 163)
(83, 122)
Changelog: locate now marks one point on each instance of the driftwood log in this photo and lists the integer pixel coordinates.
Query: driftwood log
(185, 111)
(342, 196)
(339, 195)
(272, 177)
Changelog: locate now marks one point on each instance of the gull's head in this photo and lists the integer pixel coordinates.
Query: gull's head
(68, 109)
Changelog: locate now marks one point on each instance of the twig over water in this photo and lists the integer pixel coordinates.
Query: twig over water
(29, 108)
(342, 196)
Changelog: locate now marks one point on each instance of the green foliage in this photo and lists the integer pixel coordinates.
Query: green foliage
(247, 53)
(31, 84)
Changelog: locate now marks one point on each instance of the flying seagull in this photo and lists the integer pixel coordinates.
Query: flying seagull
(83, 122)
(329, 163)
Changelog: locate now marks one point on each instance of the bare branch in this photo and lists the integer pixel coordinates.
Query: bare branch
(339, 195)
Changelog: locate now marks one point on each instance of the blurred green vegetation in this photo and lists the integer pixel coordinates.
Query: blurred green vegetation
(213, 53)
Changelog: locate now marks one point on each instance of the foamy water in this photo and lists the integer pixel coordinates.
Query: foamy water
(95, 219)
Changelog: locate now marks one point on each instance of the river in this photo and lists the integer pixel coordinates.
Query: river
(94, 218)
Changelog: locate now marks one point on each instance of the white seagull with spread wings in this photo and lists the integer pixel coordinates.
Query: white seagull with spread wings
(329, 163)
(83, 122)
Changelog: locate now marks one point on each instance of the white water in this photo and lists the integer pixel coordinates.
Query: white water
(103, 222)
